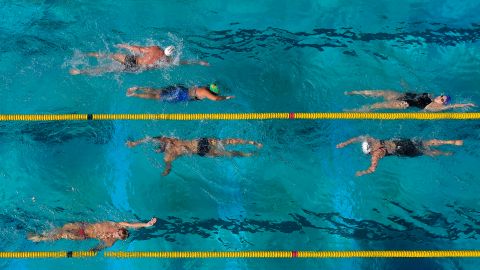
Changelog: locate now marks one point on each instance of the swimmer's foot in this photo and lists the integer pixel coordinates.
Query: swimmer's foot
(258, 145)
(357, 110)
(75, 71)
(131, 91)
(94, 54)
(458, 142)
(351, 93)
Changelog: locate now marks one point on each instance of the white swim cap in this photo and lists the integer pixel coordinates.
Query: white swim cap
(169, 50)
(366, 148)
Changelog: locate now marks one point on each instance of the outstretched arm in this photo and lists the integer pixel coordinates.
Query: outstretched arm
(135, 143)
(134, 48)
(447, 107)
(138, 224)
(352, 140)
(194, 62)
(373, 166)
(211, 96)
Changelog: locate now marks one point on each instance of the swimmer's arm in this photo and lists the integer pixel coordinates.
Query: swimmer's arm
(352, 140)
(373, 165)
(194, 62)
(135, 143)
(138, 224)
(103, 244)
(213, 97)
(168, 159)
(447, 107)
(134, 48)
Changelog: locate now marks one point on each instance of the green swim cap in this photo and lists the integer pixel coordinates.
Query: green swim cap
(214, 88)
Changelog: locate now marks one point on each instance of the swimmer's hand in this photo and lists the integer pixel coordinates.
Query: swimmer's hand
(74, 71)
(204, 63)
(229, 97)
(360, 173)
(341, 145)
(151, 222)
(122, 45)
(258, 145)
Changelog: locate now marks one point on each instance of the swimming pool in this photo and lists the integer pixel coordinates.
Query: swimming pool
(274, 56)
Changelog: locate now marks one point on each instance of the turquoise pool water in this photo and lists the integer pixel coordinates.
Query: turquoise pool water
(300, 193)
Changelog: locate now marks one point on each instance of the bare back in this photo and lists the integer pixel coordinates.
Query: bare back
(176, 147)
(103, 230)
(151, 55)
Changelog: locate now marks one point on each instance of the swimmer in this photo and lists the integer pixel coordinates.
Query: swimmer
(397, 100)
(204, 147)
(107, 232)
(379, 149)
(178, 93)
(140, 57)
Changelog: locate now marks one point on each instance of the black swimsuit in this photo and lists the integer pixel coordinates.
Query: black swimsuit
(203, 147)
(416, 100)
(131, 63)
(404, 148)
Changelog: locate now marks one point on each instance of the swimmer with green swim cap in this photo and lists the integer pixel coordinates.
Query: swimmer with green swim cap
(178, 93)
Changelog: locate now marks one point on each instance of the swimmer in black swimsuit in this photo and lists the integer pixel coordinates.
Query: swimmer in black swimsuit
(178, 93)
(204, 147)
(107, 232)
(397, 100)
(139, 58)
(379, 149)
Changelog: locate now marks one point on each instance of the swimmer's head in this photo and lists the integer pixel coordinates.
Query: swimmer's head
(366, 148)
(443, 99)
(213, 88)
(169, 50)
(121, 233)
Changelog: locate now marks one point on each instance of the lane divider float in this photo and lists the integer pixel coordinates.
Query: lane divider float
(247, 116)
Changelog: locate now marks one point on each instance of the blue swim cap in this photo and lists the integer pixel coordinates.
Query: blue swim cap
(445, 99)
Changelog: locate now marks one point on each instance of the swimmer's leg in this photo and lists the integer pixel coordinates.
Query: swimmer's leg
(240, 141)
(224, 153)
(442, 142)
(92, 71)
(119, 57)
(385, 105)
(147, 93)
(433, 153)
(50, 236)
(386, 94)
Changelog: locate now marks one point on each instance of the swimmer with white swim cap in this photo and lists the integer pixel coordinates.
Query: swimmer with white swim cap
(140, 57)
(379, 149)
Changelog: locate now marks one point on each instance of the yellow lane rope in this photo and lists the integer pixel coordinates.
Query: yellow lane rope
(246, 116)
(297, 254)
(45, 254)
(245, 254)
